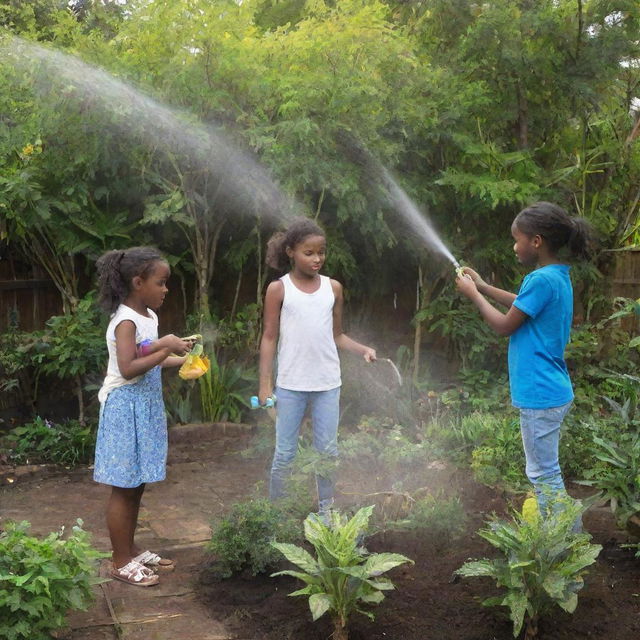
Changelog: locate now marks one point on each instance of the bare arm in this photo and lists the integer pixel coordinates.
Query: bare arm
(130, 364)
(269, 342)
(173, 361)
(505, 298)
(504, 324)
(343, 341)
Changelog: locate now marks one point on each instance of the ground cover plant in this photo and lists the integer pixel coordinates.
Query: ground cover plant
(543, 564)
(42, 579)
(67, 443)
(618, 475)
(343, 577)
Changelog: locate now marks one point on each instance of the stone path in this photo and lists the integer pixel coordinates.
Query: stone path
(205, 475)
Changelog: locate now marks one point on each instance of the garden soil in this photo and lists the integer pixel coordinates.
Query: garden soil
(207, 474)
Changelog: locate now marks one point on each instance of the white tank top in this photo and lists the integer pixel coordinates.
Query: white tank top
(146, 329)
(307, 353)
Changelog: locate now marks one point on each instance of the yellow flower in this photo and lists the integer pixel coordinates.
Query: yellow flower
(530, 511)
(28, 150)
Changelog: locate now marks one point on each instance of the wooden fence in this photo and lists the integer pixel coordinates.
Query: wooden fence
(625, 282)
(28, 297)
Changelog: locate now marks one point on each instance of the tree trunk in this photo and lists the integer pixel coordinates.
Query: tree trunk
(79, 395)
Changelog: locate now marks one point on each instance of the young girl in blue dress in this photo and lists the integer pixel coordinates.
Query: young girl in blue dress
(538, 321)
(303, 322)
(131, 447)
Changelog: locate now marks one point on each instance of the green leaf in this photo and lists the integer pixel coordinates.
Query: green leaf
(297, 555)
(319, 603)
(375, 597)
(380, 563)
(570, 604)
(517, 603)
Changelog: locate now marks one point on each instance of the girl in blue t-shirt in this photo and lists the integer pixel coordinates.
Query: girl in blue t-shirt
(538, 322)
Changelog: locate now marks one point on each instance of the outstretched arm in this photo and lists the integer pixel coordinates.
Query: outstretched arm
(343, 341)
(505, 298)
(269, 342)
(504, 324)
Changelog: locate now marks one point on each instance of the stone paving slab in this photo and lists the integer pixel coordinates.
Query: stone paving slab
(175, 519)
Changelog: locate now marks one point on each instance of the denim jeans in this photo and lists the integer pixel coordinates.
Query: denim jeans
(540, 430)
(290, 410)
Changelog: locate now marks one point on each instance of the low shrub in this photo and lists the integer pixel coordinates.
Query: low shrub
(42, 579)
(441, 520)
(383, 443)
(499, 460)
(69, 443)
(242, 539)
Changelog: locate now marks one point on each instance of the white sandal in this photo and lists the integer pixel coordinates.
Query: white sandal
(154, 561)
(136, 574)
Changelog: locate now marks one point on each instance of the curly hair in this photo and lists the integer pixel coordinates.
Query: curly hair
(296, 232)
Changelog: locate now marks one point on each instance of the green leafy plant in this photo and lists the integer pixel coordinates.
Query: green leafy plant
(242, 539)
(384, 443)
(344, 576)
(41, 579)
(618, 473)
(178, 402)
(224, 389)
(70, 348)
(441, 520)
(41, 441)
(499, 460)
(543, 564)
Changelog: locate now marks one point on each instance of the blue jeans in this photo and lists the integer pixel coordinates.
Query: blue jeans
(540, 430)
(325, 414)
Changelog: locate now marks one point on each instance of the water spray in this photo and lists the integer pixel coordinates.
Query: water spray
(392, 364)
(417, 220)
(245, 182)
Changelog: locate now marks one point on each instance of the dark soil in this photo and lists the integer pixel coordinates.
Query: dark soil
(430, 602)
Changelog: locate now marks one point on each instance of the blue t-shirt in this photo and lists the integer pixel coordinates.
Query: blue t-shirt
(538, 374)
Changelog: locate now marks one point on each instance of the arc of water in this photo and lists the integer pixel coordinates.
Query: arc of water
(247, 184)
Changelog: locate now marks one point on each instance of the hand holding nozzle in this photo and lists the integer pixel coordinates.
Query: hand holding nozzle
(269, 403)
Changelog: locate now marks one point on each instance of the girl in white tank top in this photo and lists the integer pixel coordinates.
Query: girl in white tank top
(303, 325)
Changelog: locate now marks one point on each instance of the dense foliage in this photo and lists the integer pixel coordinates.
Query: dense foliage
(42, 579)
(476, 109)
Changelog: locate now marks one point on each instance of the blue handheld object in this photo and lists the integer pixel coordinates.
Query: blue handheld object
(269, 403)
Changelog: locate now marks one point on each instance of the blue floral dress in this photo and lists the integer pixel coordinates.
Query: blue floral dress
(131, 447)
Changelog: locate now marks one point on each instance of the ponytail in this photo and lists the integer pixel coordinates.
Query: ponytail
(559, 230)
(277, 257)
(116, 270)
(581, 241)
